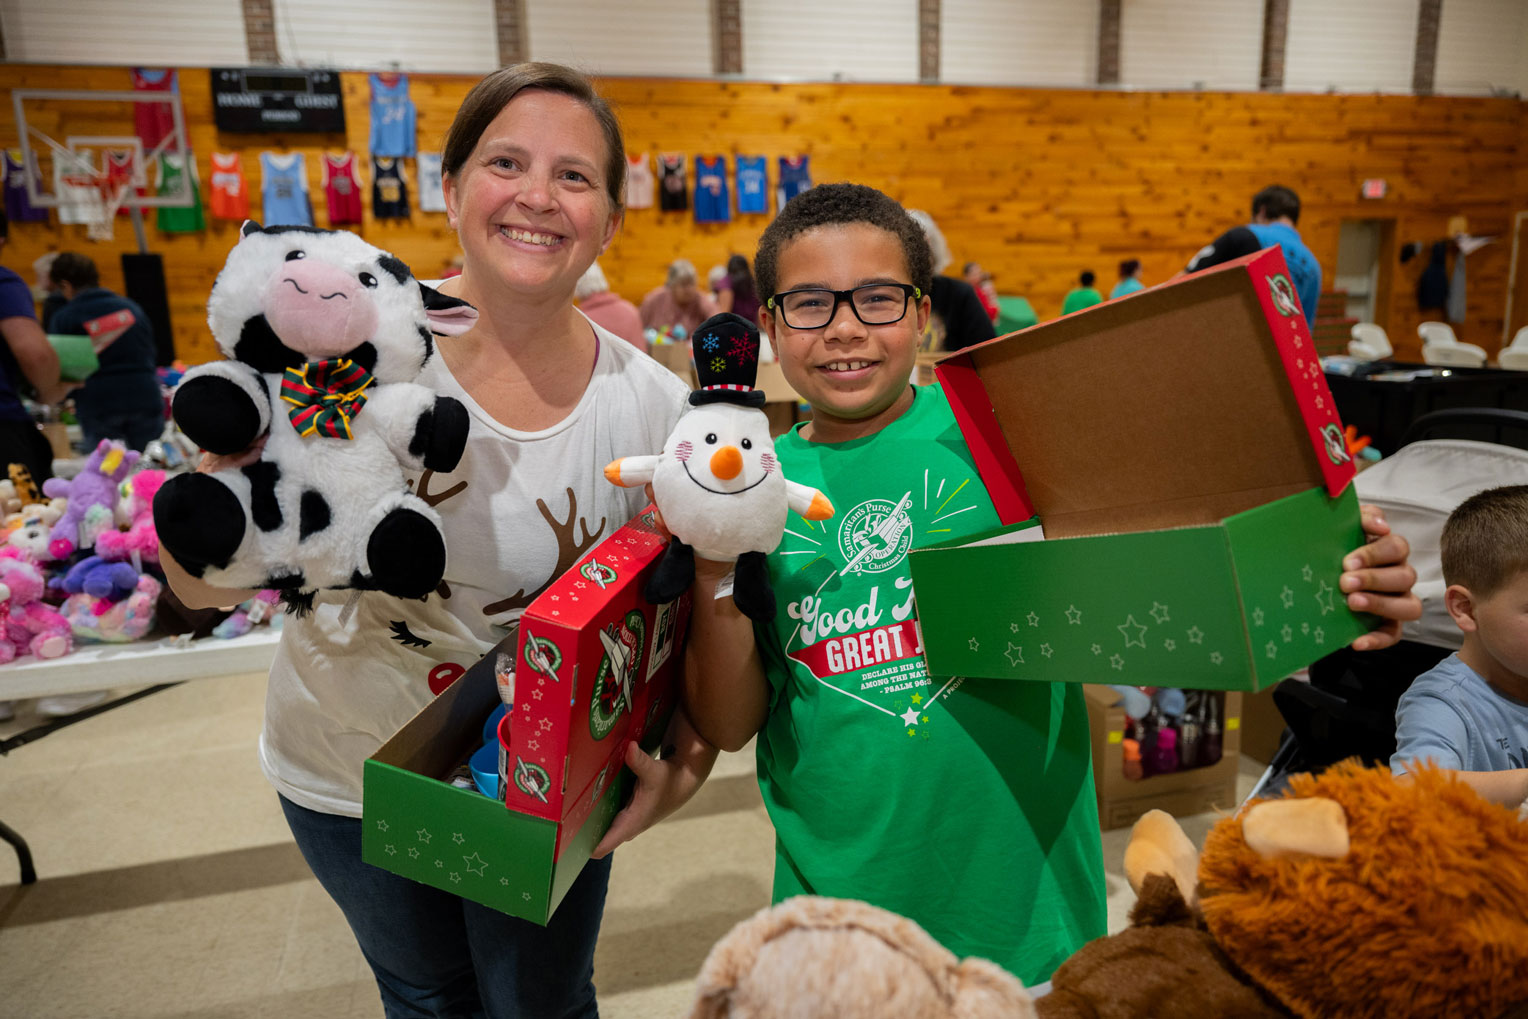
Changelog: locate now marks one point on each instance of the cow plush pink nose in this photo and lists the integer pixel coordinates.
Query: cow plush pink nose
(319, 309)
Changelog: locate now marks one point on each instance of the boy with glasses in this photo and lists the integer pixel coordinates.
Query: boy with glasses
(964, 804)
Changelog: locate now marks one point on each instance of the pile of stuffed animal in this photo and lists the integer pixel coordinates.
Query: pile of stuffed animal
(1355, 895)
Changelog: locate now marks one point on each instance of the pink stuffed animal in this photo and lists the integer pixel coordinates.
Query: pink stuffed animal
(115, 622)
(26, 624)
(137, 503)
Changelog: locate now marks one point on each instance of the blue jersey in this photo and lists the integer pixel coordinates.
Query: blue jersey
(712, 203)
(752, 185)
(392, 117)
(1304, 270)
(795, 177)
(284, 190)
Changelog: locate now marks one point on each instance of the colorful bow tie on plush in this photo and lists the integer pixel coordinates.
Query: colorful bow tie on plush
(324, 396)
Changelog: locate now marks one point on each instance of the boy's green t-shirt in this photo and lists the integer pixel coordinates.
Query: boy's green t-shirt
(964, 804)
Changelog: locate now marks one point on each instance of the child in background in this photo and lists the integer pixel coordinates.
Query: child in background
(1470, 711)
(965, 804)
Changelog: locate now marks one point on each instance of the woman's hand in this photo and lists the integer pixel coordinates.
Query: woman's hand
(1377, 579)
(663, 785)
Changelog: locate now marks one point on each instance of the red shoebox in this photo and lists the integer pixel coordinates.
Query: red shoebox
(597, 665)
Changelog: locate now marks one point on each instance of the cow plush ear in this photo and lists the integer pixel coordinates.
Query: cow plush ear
(250, 227)
(449, 316)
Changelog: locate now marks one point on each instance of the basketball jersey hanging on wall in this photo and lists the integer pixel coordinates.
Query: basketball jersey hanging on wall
(18, 207)
(284, 190)
(752, 186)
(712, 203)
(392, 116)
(178, 221)
(673, 193)
(432, 194)
(342, 190)
(639, 182)
(389, 189)
(795, 177)
(153, 122)
(228, 192)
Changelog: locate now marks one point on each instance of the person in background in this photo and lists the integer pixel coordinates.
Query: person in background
(981, 282)
(678, 302)
(26, 359)
(44, 291)
(1275, 211)
(716, 282)
(1129, 279)
(1084, 295)
(958, 318)
(121, 400)
(1469, 713)
(738, 293)
(605, 308)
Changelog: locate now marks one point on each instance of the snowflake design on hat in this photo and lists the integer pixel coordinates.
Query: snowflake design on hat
(718, 364)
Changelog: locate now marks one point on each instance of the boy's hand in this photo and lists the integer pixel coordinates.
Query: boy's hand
(211, 463)
(663, 786)
(1377, 579)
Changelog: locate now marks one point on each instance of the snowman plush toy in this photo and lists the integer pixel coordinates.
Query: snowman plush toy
(717, 482)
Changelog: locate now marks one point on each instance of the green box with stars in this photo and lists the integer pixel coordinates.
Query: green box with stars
(458, 840)
(1185, 461)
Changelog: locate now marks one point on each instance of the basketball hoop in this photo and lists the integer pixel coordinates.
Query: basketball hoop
(108, 190)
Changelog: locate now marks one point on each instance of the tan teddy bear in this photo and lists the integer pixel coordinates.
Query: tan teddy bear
(841, 959)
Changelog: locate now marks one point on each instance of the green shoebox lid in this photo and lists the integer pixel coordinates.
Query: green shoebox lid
(416, 825)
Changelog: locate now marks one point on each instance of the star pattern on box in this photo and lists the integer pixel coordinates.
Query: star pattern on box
(1134, 633)
(1272, 649)
(1013, 627)
(1034, 620)
(475, 864)
(1097, 650)
(534, 744)
(1307, 572)
(1305, 627)
(456, 878)
(1288, 633)
(536, 694)
(1159, 614)
(381, 826)
(413, 853)
(440, 864)
(1320, 635)
(1047, 650)
(1216, 658)
(423, 835)
(458, 838)
(1324, 598)
(974, 644)
(546, 725)
(1014, 654)
(1170, 644)
(1117, 661)
(1257, 617)
(1074, 616)
(1287, 596)
(1195, 635)
(504, 881)
(526, 896)
(391, 849)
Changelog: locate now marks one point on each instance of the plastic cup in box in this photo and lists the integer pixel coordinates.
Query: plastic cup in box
(491, 727)
(485, 772)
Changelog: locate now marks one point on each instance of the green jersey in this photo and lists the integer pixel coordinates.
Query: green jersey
(184, 220)
(964, 804)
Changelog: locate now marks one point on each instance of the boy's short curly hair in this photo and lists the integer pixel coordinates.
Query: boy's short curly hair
(1485, 540)
(841, 204)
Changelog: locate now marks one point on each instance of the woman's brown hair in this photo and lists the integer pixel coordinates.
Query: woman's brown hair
(489, 97)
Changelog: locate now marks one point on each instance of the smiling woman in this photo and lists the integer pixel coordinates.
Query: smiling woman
(532, 173)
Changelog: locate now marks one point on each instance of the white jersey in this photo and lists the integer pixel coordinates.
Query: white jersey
(519, 509)
(432, 197)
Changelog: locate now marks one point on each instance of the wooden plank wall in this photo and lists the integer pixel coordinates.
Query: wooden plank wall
(1034, 184)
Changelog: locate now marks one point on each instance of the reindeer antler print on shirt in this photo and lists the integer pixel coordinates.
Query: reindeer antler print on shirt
(433, 499)
(569, 549)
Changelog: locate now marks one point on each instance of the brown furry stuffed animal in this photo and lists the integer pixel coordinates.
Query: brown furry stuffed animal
(839, 959)
(1356, 895)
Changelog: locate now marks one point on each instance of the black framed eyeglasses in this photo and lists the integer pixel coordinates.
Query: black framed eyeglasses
(875, 304)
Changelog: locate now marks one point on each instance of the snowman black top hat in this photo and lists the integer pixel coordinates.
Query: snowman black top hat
(726, 352)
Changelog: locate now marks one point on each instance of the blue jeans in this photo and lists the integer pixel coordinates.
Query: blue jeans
(440, 956)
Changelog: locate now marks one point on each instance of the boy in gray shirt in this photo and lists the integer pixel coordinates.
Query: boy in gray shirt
(1470, 712)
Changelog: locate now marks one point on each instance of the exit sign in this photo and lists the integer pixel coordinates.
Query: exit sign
(1374, 187)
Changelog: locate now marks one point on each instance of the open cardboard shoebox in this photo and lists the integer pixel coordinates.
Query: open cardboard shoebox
(596, 667)
(1189, 473)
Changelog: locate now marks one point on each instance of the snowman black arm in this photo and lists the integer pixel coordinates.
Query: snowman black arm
(423, 430)
(222, 406)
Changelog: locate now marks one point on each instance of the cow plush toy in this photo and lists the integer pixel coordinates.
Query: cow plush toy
(323, 335)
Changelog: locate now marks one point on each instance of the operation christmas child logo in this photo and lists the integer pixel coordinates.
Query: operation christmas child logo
(618, 673)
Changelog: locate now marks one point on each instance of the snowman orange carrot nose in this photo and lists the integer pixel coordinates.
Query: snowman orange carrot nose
(726, 463)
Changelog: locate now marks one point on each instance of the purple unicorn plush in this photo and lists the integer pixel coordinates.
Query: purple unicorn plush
(94, 486)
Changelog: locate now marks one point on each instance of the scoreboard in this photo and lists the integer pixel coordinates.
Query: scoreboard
(255, 100)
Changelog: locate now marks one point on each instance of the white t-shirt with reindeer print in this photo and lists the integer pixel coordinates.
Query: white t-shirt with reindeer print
(518, 510)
